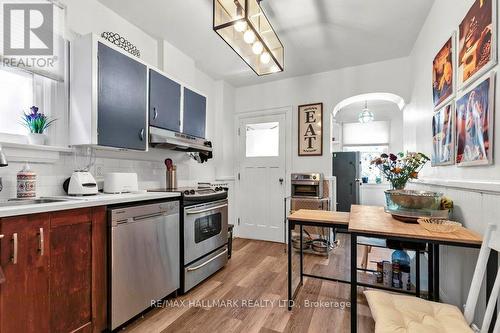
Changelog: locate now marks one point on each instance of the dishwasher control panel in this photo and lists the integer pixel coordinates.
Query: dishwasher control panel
(142, 211)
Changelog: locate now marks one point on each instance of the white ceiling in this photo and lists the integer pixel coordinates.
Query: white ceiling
(318, 35)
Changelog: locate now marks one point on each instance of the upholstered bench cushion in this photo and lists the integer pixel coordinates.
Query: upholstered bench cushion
(407, 314)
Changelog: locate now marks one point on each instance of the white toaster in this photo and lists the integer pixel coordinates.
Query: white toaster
(120, 182)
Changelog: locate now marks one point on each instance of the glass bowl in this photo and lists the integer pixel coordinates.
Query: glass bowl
(410, 199)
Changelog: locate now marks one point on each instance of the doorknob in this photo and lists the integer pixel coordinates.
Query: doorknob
(281, 181)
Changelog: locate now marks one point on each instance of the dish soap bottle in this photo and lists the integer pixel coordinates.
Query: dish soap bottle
(26, 183)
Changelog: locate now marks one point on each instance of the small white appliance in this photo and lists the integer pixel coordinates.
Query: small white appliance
(119, 182)
(82, 183)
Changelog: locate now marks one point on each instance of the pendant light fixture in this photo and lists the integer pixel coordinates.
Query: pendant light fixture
(245, 28)
(366, 115)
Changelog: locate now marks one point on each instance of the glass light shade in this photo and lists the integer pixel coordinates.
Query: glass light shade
(366, 116)
(257, 48)
(265, 58)
(249, 36)
(245, 28)
(240, 26)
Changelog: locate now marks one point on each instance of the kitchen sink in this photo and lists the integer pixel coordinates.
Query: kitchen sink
(23, 202)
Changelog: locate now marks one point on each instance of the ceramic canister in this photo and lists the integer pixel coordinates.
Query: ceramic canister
(26, 183)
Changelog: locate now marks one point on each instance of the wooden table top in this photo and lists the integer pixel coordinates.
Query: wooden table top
(320, 216)
(374, 220)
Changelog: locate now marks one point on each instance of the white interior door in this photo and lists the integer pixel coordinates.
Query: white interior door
(262, 177)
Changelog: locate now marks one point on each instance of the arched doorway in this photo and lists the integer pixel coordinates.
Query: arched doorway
(356, 136)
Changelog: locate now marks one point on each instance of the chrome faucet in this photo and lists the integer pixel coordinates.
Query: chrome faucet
(3, 163)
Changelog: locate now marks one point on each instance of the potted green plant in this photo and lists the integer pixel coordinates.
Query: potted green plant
(36, 122)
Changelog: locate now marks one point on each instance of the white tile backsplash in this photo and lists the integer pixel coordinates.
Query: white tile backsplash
(151, 173)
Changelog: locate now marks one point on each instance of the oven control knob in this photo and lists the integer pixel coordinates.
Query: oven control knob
(218, 189)
(186, 192)
(314, 177)
(192, 192)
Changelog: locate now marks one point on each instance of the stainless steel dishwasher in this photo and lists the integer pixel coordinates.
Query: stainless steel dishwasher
(144, 263)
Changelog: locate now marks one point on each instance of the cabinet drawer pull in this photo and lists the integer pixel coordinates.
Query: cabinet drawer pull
(2, 275)
(41, 242)
(155, 113)
(14, 251)
(141, 134)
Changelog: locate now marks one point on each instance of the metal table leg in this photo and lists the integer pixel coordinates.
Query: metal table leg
(289, 247)
(354, 284)
(430, 271)
(301, 254)
(417, 273)
(436, 272)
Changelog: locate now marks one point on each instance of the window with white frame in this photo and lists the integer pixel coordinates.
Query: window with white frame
(26, 84)
(371, 140)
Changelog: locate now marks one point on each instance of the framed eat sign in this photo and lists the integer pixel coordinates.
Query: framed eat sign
(311, 129)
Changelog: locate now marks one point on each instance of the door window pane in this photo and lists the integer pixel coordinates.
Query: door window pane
(262, 139)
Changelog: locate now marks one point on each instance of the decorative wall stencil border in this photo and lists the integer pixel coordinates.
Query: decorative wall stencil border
(121, 42)
(482, 187)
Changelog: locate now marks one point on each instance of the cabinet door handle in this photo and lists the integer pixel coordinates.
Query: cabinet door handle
(141, 134)
(41, 242)
(2, 275)
(155, 113)
(14, 250)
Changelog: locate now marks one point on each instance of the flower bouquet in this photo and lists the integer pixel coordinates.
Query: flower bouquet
(36, 122)
(398, 170)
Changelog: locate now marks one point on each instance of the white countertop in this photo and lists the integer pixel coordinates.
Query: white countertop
(83, 202)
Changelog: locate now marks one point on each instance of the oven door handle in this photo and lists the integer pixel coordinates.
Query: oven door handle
(190, 269)
(191, 212)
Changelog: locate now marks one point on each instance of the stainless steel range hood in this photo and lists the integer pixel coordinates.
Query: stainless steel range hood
(162, 138)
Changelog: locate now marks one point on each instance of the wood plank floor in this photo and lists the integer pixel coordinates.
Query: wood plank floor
(258, 272)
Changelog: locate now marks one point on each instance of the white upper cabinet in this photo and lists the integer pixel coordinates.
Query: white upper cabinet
(109, 96)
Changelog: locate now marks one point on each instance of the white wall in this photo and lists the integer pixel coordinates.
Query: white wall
(418, 115)
(474, 209)
(91, 16)
(330, 88)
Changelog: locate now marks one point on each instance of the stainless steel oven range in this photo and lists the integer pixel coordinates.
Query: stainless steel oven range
(205, 226)
(204, 235)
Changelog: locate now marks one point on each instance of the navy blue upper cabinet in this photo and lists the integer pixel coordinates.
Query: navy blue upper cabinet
(164, 102)
(195, 113)
(122, 100)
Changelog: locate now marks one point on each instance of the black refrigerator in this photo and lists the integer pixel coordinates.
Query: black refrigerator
(346, 168)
